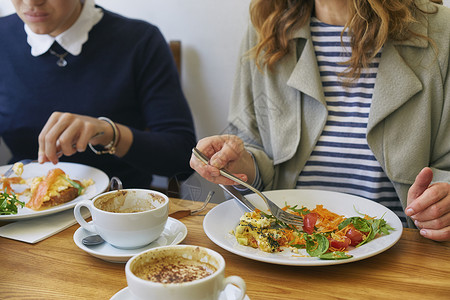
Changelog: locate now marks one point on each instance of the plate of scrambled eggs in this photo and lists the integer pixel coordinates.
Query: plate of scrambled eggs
(223, 222)
(95, 181)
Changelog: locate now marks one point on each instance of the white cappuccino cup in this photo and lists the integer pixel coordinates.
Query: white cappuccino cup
(179, 272)
(127, 218)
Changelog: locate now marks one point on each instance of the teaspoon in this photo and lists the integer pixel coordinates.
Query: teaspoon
(92, 240)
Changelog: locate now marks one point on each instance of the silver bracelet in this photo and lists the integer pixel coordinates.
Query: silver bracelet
(111, 147)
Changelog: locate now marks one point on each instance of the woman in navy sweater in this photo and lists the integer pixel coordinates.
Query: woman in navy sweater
(77, 81)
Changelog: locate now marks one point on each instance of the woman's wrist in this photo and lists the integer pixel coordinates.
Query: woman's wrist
(126, 139)
(109, 148)
(253, 176)
(251, 167)
(248, 166)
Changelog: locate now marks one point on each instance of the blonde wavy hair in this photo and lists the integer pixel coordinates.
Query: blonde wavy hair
(373, 22)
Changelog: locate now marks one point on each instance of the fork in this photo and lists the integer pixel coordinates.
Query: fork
(184, 213)
(277, 212)
(23, 161)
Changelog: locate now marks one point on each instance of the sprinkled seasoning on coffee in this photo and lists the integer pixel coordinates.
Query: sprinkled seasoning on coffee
(174, 270)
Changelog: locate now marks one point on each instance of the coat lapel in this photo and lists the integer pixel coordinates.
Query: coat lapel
(396, 83)
(306, 76)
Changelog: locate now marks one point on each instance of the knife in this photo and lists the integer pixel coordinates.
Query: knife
(238, 196)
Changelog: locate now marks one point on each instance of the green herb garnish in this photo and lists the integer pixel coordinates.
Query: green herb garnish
(302, 211)
(9, 204)
(76, 185)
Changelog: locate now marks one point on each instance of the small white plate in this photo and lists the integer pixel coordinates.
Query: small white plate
(230, 293)
(75, 171)
(224, 218)
(174, 233)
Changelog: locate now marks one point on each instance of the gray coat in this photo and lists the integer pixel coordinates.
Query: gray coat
(280, 114)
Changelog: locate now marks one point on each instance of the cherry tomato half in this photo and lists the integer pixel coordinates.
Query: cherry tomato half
(340, 244)
(354, 235)
(309, 221)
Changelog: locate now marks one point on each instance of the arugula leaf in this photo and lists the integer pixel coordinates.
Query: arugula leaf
(374, 230)
(385, 227)
(377, 226)
(360, 223)
(301, 211)
(76, 185)
(9, 204)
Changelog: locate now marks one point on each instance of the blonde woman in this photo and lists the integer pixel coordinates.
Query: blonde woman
(344, 95)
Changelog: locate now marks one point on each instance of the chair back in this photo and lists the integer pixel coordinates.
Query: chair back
(175, 47)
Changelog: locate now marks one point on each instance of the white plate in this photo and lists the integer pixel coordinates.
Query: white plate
(224, 217)
(75, 171)
(229, 293)
(174, 233)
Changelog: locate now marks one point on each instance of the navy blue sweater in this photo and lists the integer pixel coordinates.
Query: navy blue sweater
(125, 72)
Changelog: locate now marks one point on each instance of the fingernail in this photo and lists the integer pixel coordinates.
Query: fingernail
(423, 232)
(409, 212)
(40, 158)
(416, 223)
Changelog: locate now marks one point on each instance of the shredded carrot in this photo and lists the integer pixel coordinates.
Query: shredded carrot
(332, 249)
(328, 221)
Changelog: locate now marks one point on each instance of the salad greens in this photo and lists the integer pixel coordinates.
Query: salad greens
(324, 234)
(317, 244)
(372, 226)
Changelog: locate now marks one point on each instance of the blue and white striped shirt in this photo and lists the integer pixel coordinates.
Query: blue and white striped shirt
(342, 160)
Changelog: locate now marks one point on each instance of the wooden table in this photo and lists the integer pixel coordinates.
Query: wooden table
(414, 268)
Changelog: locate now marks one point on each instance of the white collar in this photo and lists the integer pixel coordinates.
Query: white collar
(72, 39)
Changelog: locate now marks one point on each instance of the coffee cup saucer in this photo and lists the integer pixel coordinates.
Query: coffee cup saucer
(229, 293)
(174, 233)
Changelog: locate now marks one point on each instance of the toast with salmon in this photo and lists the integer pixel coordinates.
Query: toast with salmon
(54, 189)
